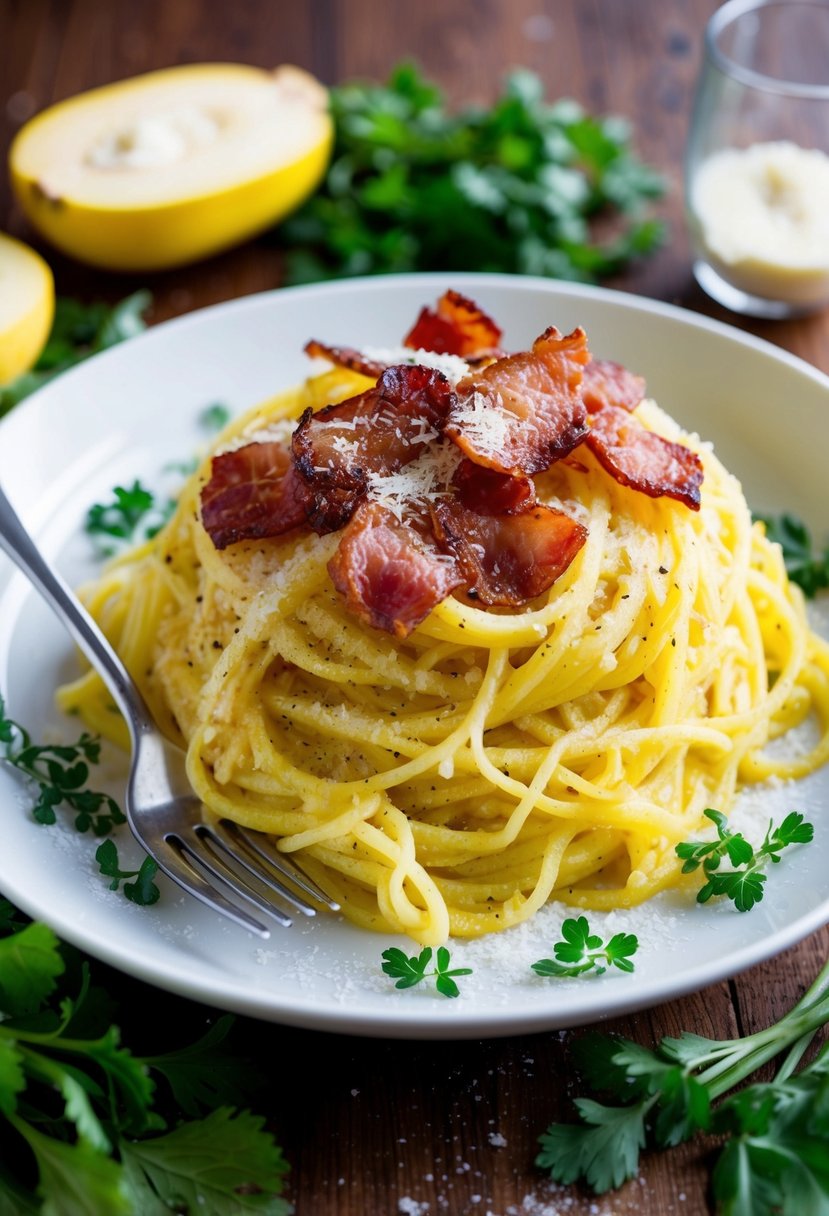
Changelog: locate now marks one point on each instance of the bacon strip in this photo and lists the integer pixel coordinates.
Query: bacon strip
(457, 327)
(508, 559)
(490, 493)
(609, 383)
(390, 576)
(379, 431)
(644, 461)
(253, 492)
(345, 356)
(525, 411)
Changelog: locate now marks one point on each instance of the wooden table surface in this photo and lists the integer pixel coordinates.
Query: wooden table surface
(388, 1123)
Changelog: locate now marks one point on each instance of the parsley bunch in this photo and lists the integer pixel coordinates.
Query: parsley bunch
(775, 1159)
(511, 188)
(81, 1123)
(78, 331)
(744, 883)
(805, 565)
(133, 515)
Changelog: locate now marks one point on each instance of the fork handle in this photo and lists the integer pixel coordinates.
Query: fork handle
(16, 542)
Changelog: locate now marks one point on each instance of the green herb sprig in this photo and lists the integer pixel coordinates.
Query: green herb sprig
(78, 1110)
(582, 951)
(513, 187)
(776, 1153)
(142, 889)
(744, 883)
(78, 331)
(410, 971)
(805, 564)
(133, 515)
(60, 773)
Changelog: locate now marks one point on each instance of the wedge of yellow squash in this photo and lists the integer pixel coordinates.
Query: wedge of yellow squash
(27, 306)
(172, 166)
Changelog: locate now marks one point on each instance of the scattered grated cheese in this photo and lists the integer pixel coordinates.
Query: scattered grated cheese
(428, 477)
(453, 367)
(487, 428)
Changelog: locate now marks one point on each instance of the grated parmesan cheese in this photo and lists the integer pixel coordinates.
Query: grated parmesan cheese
(452, 366)
(428, 477)
(487, 428)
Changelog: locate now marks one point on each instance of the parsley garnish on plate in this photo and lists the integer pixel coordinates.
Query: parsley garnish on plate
(745, 881)
(133, 515)
(513, 187)
(78, 331)
(582, 952)
(139, 886)
(80, 1128)
(805, 565)
(409, 971)
(60, 773)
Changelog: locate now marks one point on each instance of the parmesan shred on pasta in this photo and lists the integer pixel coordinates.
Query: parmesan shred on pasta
(453, 774)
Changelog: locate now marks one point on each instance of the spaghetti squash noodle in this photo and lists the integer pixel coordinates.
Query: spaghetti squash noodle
(453, 780)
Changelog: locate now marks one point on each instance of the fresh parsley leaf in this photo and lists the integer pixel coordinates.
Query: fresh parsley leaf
(409, 971)
(205, 1075)
(78, 331)
(603, 1150)
(583, 951)
(805, 565)
(211, 1165)
(215, 417)
(133, 515)
(30, 964)
(510, 188)
(745, 883)
(140, 891)
(59, 773)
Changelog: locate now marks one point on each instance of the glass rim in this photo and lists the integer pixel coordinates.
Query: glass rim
(731, 11)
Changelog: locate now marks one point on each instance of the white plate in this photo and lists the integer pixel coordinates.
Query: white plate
(126, 413)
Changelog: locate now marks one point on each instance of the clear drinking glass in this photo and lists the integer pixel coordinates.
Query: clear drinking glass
(757, 164)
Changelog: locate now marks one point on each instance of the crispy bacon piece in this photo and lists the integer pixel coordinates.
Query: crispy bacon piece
(379, 431)
(390, 576)
(609, 383)
(457, 327)
(508, 559)
(253, 492)
(525, 411)
(488, 492)
(644, 461)
(345, 356)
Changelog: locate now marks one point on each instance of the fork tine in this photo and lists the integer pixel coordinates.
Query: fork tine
(177, 866)
(210, 859)
(218, 838)
(280, 862)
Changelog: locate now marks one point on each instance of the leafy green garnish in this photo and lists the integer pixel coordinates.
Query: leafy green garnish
(744, 883)
(411, 970)
(775, 1158)
(81, 1131)
(134, 515)
(511, 188)
(142, 890)
(804, 565)
(583, 951)
(214, 417)
(78, 331)
(60, 773)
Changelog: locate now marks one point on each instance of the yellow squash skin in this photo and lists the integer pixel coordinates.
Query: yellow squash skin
(166, 234)
(27, 307)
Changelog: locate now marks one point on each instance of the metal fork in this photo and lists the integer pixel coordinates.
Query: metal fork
(210, 860)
